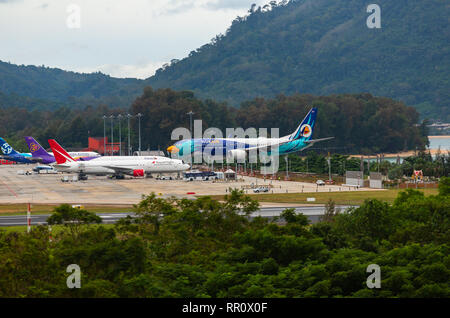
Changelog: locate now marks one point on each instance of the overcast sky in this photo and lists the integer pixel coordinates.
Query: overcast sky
(122, 38)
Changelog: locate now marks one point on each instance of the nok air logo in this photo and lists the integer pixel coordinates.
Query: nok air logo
(306, 130)
(34, 147)
(7, 149)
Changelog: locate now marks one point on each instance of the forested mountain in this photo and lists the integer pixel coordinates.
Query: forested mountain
(318, 47)
(41, 87)
(324, 47)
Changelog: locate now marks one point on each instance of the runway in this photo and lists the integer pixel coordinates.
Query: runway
(312, 212)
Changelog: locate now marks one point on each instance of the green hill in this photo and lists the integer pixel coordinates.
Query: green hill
(319, 47)
(40, 87)
(324, 47)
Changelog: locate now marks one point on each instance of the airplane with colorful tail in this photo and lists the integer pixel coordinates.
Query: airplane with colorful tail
(10, 154)
(237, 148)
(40, 155)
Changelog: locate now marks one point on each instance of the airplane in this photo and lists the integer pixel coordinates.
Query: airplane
(237, 148)
(117, 166)
(43, 168)
(12, 155)
(39, 154)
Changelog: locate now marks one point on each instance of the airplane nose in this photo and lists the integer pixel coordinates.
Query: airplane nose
(173, 149)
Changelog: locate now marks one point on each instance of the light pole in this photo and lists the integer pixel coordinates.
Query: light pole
(104, 134)
(129, 147)
(287, 166)
(112, 135)
(329, 168)
(139, 115)
(190, 121)
(120, 133)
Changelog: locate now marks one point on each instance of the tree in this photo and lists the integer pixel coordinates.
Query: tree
(444, 186)
(72, 218)
(151, 209)
(330, 211)
(291, 217)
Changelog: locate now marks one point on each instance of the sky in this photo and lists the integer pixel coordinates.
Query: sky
(121, 38)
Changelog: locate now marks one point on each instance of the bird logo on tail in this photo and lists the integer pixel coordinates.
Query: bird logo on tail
(306, 130)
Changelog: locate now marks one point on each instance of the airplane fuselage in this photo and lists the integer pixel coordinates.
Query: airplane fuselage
(19, 158)
(238, 147)
(215, 146)
(111, 165)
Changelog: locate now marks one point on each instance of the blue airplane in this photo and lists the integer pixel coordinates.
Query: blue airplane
(10, 154)
(237, 148)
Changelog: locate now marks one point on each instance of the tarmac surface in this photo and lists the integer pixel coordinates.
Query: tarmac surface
(100, 190)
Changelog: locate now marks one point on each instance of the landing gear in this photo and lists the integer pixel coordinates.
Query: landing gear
(82, 176)
(118, 176)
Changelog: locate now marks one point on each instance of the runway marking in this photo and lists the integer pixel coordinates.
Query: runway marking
(10, 190)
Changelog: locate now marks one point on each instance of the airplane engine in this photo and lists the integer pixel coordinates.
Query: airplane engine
(237, 154)
(138, 173)
(81, 167)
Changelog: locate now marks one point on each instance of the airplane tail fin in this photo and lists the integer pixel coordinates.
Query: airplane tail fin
(6, 148)
(35, 148)
(61, 156)
(306, 128)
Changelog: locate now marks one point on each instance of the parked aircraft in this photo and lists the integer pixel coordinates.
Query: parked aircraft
(39, 154)
(12, 155)
(237, 148)
(38, 169)
(116, 166)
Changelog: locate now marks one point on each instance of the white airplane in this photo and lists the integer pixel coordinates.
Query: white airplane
(117, 166)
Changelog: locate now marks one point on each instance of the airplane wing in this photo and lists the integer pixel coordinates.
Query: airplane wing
(313, 141)
(125, 170)
(266, 146)
(310, 142)
(59, 166)
(36, 159)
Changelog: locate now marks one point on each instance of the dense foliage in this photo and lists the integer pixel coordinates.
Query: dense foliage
(437, 166)
(322, 48)
(70, 127)
(360, 123)
(204, 248)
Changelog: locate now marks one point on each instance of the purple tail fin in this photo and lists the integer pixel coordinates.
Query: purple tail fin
(38, 152)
